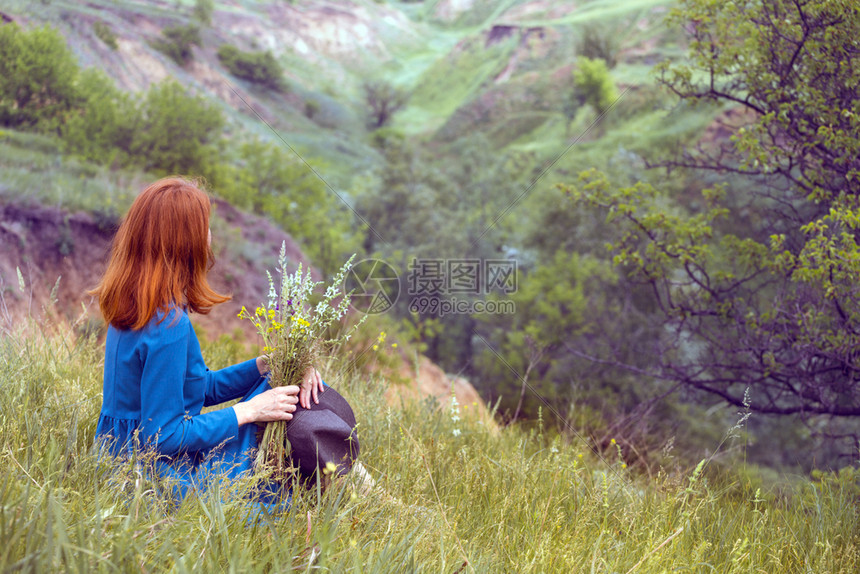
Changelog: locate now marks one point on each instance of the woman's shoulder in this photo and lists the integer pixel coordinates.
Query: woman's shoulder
(167, 326)
(172, 323)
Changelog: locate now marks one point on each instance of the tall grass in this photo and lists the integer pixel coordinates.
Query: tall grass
(483, 499)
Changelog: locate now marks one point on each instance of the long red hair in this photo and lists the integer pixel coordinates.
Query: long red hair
(160, 256)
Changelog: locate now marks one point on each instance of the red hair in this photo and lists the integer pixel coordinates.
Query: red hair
(160, 256)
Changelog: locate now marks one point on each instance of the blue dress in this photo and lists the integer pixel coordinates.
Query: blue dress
(155, 386)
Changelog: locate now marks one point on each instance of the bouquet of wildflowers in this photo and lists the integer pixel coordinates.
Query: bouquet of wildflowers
(294, 332)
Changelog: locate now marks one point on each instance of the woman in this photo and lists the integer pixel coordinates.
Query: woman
(155, 380)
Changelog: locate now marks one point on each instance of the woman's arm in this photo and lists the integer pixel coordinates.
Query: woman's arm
(166, 422)
(231, 383)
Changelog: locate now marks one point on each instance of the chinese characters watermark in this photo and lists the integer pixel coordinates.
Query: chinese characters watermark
(435, 286)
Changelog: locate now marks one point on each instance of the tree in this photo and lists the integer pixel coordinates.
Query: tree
(593, 85)
(272, 181)
(176, 43)
(600, 42)
(103, 124)
(383, 100)
(177, 132)
(257, 67)
(766, 317)
(203, 11)
(37, 77)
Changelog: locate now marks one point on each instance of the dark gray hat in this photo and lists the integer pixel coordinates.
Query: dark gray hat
(323, 433)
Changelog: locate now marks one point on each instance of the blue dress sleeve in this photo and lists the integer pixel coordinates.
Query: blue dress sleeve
(165, 423)
(230, 383)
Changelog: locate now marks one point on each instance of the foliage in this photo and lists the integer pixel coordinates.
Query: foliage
(485, 500)
(593, 85)
(271, 181)
(311, 109)
(168, 131)
(600, 42)
(773, 308)
(176, 43)
(104, 33)
(105, 122)
(177, 133)
(37, 74)
(557, 306)
(203, 11)
(794, 71)
(430, 206)
(383, 100)
(42, 88)
(257, 67)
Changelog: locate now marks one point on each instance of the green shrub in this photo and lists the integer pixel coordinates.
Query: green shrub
(104, 33)
(272, 181)
(176, 43)
(312, 107)
(103, 126)
(256, 67)
(593, 84)
(177, 133)
(383, 100)
(203, 10)
(37, 77)
(600, 42)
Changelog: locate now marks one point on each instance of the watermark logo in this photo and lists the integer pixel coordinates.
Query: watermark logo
(435, 287)
(451, 286)
(440, 306)
(433, 277)
(375, 286)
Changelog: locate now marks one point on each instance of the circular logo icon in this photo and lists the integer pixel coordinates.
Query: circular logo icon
(375, 286)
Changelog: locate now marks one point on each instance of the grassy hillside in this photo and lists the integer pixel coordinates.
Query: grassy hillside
(500, 62)
(453, 496)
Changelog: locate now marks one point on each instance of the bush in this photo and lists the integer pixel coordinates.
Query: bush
(176, 43)
(383, 101)
(102, 128)
(203, 10)
(599, 42)
(273, 182)
(177, 132)
(312, 108)
(37, 77)
(257, 67)
(594, 85)
(104, 33)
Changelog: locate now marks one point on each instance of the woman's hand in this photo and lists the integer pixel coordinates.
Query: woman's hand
(263, 364)
(311, 387)
(276, 404)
